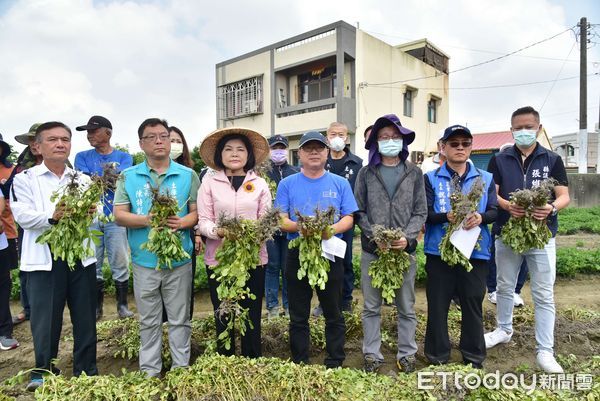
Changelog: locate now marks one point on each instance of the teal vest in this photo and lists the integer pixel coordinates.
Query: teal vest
(178, 182)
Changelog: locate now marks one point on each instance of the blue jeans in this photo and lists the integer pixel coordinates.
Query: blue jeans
(491, 277)
(348, 284)
(277, 250)
(114, 241)
(542, 267)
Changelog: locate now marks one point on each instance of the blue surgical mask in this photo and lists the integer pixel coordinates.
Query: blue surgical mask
(390, 148)
(525, 137)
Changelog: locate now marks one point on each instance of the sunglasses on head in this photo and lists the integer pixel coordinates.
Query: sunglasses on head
(456, 144)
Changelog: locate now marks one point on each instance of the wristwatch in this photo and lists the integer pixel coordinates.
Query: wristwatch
(554, 210)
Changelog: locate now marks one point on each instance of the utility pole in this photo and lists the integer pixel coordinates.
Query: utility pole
(598, 144)
(583, 134)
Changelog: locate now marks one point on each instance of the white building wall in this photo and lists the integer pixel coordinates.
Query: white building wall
(378, 62)
(305, 51)
(303, 122)
(259, 64)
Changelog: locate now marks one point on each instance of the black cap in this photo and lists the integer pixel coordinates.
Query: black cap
(95, 122)
(311, 136)
(5, 148)
(455, 130)
(275, 139)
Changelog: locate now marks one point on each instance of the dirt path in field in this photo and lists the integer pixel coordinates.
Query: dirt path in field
(578, 337)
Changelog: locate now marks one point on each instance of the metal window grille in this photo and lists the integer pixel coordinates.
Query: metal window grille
(304, 41)
(241, 98)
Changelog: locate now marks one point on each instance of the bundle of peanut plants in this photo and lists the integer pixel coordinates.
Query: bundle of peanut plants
(461, 204)
(71, 238)
(236, 257)
(165, 243)
(387, 271)
(312, 264)
(524, 233)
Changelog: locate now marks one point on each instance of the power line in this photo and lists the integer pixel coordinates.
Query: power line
(482, 50)
(557, 75)
(494, 86)
(474, 65)
(544, 117)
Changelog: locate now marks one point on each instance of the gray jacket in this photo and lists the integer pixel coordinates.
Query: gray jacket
(406, 210)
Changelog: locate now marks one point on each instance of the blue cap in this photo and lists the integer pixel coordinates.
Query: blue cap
(275, 139)
(311, 136)
(455, 130)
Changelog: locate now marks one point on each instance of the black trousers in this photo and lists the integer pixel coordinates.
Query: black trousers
(8, 261)
(299, 297)
(251, 340)
(48, 292)
(443, 281)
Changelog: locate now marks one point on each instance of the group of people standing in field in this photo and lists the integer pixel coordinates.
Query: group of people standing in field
(388, 191)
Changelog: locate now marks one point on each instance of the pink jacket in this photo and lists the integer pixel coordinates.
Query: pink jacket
(216, 195)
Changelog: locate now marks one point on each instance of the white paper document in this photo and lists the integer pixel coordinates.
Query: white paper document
(333, 247)
(465, 240)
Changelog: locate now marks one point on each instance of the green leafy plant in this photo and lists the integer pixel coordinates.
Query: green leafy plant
(236, 257)
(387, 271)
(312, 264)
(571, 261)
(524, 233)
(461, 204)
(71, 238)
(263, 170)
(165, 243)
(575, 219)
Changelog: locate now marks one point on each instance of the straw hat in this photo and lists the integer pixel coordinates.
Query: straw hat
(260, 145)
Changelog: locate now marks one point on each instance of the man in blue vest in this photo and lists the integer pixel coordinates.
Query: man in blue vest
(526, 165)
(113, 240)
(151, 286)
(444, 280)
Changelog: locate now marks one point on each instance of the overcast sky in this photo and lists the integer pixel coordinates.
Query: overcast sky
(128, 60)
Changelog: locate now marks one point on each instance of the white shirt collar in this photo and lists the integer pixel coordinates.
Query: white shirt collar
(42, 169)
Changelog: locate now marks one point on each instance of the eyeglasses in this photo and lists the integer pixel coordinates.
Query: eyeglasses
(387, 137)
(152, 138)
(313, 148)
(463, 144)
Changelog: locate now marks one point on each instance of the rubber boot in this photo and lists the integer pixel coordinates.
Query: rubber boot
(99, 298)
(122, 287)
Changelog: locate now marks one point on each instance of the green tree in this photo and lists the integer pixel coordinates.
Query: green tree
(122, 148)
(138, 157)
(198, 162)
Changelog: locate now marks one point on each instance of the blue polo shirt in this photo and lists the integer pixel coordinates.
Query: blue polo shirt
(91, 162)
(300, 193)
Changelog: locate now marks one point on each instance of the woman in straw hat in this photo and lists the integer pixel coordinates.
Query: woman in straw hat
(234, 189)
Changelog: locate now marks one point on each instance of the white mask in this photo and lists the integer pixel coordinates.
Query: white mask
(176, 150)
(337, 144)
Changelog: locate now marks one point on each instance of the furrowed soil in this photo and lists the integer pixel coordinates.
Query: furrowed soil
(580, 337)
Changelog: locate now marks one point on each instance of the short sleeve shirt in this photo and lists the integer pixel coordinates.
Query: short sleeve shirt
(303, 194)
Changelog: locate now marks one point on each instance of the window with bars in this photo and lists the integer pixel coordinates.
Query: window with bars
(317, 84)
(408, 102)
(432, 111)
(241, 98)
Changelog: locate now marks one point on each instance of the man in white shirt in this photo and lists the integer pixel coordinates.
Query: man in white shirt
(51, 283)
